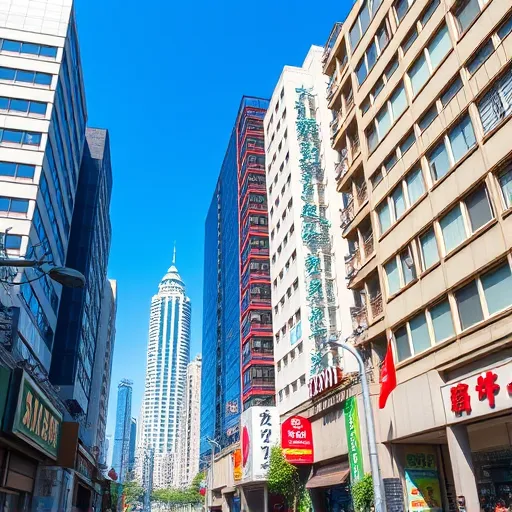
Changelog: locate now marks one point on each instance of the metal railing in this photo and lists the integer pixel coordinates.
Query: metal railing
(347, 215)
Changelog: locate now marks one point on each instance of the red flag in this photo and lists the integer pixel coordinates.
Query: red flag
(387, 377)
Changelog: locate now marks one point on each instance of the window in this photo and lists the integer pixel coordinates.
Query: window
(11, 242)
(452, 227)
(398, 102)
(407, 266)
(466, 11)
(505, 181)
(30, 77)
(398, 202)
(428, 118)
(407, 143)
(393, 276)
(419, 74)
(409, 39)
(12, 205)
(415, 185)
(363, 21)
(39, 50)
(481, 56)
(419, 333)
(469, 305)
(438, 162)
(442, 321)
(392, 67)
(462, 138)
(371, 138)
(20, 138)
(400, 271)
(479, 209)
(402, 344)
(390, 161)
(17, 170)
(439, 47)
(365, 105)
(427, 13)
(383, 122)
(497, 103)
(401, 8)
(23, 106)
(451, 91)
(506, 28)
(384, 217)
(361, 71)
(428, 247)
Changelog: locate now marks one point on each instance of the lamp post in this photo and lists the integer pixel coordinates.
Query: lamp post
(68, 277)
(213, 444)
(380, 505)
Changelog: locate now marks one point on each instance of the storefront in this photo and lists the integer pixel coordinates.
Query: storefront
(329, 487)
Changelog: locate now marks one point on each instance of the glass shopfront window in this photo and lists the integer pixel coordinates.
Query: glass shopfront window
(338, 499)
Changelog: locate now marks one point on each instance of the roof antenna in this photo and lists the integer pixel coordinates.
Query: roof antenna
(174, 254)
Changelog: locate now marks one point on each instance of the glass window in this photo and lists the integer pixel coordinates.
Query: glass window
(506, 28)
(390, 161)
(11, 46)
(403, 348)
(4, 103)
(393, 276)
(392, 67)
(364, 18)
(407, 143)
(48, 51)
(371, 137)
(419, 333)
(505, 180)
(355, 35)
(384, 217)
(379, 85)
(398, 201)
(25, 76)
(25, 171)
(408, 268)
(361, 71)
(398, 102)
(481, 56)
(30, 48)
(419, 74)
(439, 47)
(439, 162)
(427, 13)
(452, 90)
(497, 103)
(12, 241)
(415, 185)
(37, 107)
(19, 105)
(383, 122)
(376, 178)
(442, 321)
(428, 118)
(7, 169)
(401, 8)
(465, 13)
(43, 79)
(452, 226)
(371, 56)
(462, 138)
(12, 136)
(365, 105)
(4, 204)
(382, 37)
(479, 209)
(7, 74)
(32, 138)
(468, 304)
(19, 205)
(497, 286)
(409, 40)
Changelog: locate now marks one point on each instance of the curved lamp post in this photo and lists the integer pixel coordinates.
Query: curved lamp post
(380, 505)
(68, 277)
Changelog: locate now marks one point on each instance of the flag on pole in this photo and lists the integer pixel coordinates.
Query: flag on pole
(387, 377)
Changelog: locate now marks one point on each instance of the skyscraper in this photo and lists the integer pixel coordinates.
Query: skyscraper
(133, 443)
(166, 371)
(237, 315)
(120, 459)
(187, 452)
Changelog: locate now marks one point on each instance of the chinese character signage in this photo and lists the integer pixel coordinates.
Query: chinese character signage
(422, 480)
(32, 417)
(260, 432)
(237, 465)
(355, 455)
(478, 394)
(324, 381)
(297, 440)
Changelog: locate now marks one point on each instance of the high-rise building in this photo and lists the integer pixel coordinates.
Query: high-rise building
(121, 456)
(77, 340)
(187, 446)
(166, 372)
(305, 237)
(236, 310)
(133, 444)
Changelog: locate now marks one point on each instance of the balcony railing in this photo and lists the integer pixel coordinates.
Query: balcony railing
(359, 318)
(342, 165)
(331, 41)
(355, 146)
(376, 305)
(349, 101)
(347, 215)
(362, 193)
(257, 354)
(255, 326)
(368, 246)
(352, 264)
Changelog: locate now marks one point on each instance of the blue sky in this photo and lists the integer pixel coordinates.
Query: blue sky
(166, 79)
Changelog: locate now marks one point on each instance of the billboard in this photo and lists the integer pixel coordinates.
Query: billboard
(260, 432)
(297, 440)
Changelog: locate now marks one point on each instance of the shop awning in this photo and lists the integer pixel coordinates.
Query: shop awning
(228, 490)
(329, 476)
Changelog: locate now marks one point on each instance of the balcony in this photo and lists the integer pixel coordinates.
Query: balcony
(252, 144)
(361, 194)
(257, 295)
(352, 264)
(368, 246)
(254, 202)
(257, 269)
(253, 163)
(342, 167)
(257, 322)
(265, 384)
(258, 349)
(347, 214)
(331, 41)
(256, 246)
(253, 183)
(376, 306)
(359, 318)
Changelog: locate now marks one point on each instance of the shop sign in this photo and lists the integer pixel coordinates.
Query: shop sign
(422, 480)
(33, 417)
(260, 432)
(478, 394)
(327, 379)
(237, 465)
(296, 333)
(84, 467)
(5, 376)
(297, 440)
(355, 454)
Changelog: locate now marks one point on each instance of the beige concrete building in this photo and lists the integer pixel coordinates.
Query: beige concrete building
(421, 94)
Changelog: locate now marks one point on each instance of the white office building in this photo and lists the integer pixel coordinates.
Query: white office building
(166, 373)
(299, 324)
(187, 446)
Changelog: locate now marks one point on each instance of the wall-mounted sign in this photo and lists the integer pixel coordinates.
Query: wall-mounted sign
(232, 407)
(296, 333)
(32, 417)
(237, 465)
(297, 440)
(478, 394)
(355, 455)
(260, 432)
(327, 379)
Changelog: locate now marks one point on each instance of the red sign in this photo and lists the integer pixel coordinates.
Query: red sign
(297, 440)
(325, 380)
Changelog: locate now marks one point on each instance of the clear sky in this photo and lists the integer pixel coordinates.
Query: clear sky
(166, 78)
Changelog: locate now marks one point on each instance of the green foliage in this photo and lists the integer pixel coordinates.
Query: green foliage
(284, 480)
(180, 496)
(362, 494)
(133, 493)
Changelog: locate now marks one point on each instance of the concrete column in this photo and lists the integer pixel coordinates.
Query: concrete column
(462, 465)
(265, 498)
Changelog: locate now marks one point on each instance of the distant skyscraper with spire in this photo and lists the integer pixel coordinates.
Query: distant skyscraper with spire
(166, 370)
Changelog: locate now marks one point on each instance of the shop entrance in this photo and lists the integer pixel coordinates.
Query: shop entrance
(83, 498)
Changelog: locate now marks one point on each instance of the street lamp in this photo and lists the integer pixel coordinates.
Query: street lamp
(68, 277)
(213, 444)
(380, 505)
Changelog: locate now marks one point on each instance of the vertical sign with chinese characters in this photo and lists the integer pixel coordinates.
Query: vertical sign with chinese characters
(260, 432)
(354, 439)
(297, 440)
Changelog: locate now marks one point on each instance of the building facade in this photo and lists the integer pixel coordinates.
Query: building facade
(133, 446)
(187, 446)
(166, 372)
(121, 454)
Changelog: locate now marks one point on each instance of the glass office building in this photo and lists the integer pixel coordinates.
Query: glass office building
(121, 457)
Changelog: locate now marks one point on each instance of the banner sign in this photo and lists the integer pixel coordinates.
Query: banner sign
(297, 440)
(260, 432)
(237, 465)
(354, 439)
(327, 379)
